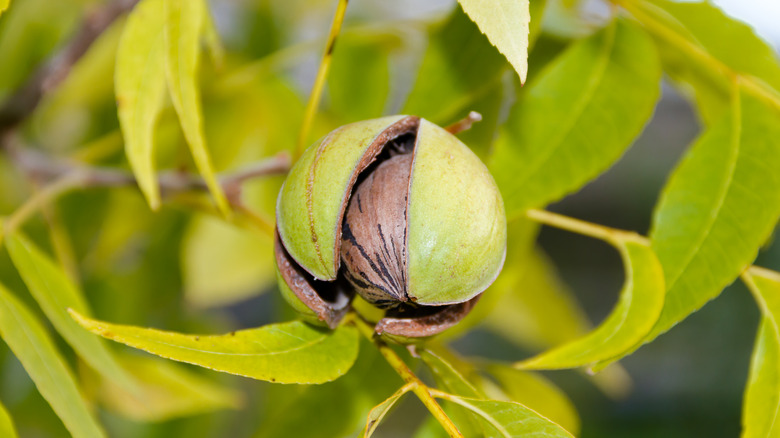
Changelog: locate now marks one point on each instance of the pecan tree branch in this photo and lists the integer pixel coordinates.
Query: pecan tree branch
(25, 99)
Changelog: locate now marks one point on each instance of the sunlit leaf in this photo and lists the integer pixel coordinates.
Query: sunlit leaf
(140, 89)
(705, 26)
(292, 352)
(718, 207)
(459, 67)
(30, 343)
(761, 407)
(509, 419)
(167, 390)
(538, 393)
(183, 25)
(7, 428)
(447, 376)
(638, 308)
(222, 264)
(211, 37)
(505, 22)
(577, 117)
(4, 5)
(55, 293)
(378, 413)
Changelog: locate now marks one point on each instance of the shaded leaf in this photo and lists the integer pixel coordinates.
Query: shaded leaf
(140, 89)
(379, 411)
(717, 208)
(536, 9)
(505, 23)
(761, 407)
(291, 352)
(223, 264)
(726, 39)
(538, 393)
(508, 419)
(459, 66)
(638, 308)
(30, 343)
(7, 428)
(55, 292)
(183, 26)
(359, 78)
(577, 117)
(167, 390)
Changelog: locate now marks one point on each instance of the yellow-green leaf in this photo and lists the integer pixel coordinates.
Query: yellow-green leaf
(505, 22)
(140, 89)
(30, 343)
(640, 303)
(211, 37)
(223, 264)
(379, 411)
(508, 419)
(183, 24)
(4, 5)
(761, 407)
(719, 206)
(55, 292)
(577, 117)
(7, 428)
(167, 390)
(292, 352)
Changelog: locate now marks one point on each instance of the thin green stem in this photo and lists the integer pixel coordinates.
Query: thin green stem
(420, 389)
(695, 52)
(610, 235)
(319, 82)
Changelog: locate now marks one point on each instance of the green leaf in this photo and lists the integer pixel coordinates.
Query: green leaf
(167, 390)
(638, 308)
(447, 376)
(211, 37)
(222, 264)
(140, 89)
(761, 407)
(30, 343)
(459, 67)
(291, 352)
(56, 293)
(359, 78)
(727, 40)
(577, 117)
(508, 419)
(379, 411)
(536, 10)
(7, 428)
(719, 206)
(538, 393)
(183, 26)
(505, 22)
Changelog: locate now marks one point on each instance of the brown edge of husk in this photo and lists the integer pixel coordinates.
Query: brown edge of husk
(428, 325)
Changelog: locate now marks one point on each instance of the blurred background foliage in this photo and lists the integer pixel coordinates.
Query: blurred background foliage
(193, 272)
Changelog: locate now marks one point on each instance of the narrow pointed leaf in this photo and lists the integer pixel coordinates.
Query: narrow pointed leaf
(7, 428)
(183, 26)
(761, 408)
(140, 89)
(577, 117)
(505, 23)
(167, 390)
(56, 293)
(638, 308)
(718, 208)
(211, 36)
(448, 377)
(30, 343)
(379, 411)
(509, 419)
(292, 352)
